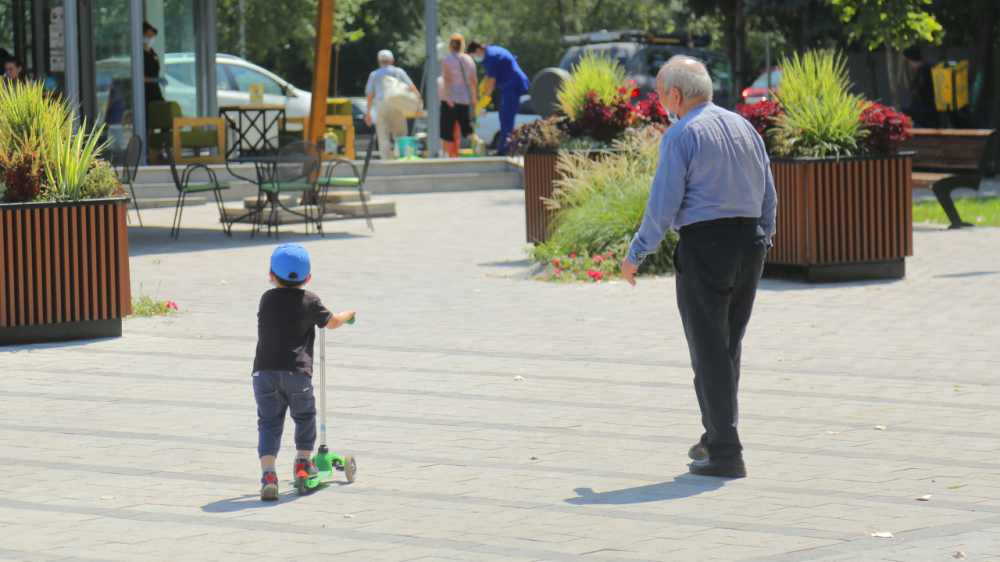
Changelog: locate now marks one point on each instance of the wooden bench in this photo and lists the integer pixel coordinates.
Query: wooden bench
(946, 150)
(988, 164)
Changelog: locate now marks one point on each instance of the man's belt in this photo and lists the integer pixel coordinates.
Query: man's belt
(727, 221)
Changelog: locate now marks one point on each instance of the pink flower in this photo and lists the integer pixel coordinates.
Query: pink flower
(558, 272)
(172, 304)
(572, 256)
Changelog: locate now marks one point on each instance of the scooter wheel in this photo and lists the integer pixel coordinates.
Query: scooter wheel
(300, 483)
(350, 467)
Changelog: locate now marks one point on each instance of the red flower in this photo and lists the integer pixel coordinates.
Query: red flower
(172, 304)
(572, 255)
(558, 272)
(887, 129)
(761, 115)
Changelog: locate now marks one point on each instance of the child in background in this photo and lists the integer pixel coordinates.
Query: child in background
(282, 369)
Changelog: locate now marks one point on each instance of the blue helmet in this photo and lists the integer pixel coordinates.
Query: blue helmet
(290, 262)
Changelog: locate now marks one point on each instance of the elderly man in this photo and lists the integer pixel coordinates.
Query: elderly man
(713, 185)
(390, 123)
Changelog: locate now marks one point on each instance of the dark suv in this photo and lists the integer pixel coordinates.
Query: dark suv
(642, 54)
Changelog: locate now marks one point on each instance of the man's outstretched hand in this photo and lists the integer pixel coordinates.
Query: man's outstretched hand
(628, 271)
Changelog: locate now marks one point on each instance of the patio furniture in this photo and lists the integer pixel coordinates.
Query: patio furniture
(255, 128)
(133, 154)
(166, 117)
(357, 181)
(184, 187)
(296, 169)
(989, 162)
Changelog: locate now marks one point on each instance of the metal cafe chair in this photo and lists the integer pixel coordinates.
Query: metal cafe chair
(296, 168)
(182, 181)
(133, 153)
(357, 181)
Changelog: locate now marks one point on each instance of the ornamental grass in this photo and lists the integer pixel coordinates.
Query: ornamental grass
(820, 116)
(43, 157)
(599, 205)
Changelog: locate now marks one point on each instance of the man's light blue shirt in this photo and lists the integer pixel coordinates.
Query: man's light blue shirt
(713, 165)
(374, 85)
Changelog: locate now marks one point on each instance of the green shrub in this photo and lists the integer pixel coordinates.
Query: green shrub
(101, 181)
(71, 161)
(600, 203)
(33, 122)
(597, 73)
(30, 121)
(821, 117)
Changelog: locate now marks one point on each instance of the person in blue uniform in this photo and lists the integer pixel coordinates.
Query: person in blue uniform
(502, 72)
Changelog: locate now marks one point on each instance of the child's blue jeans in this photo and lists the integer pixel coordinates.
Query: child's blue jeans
(275, 392)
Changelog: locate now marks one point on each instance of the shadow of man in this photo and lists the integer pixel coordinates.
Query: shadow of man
(683, 486)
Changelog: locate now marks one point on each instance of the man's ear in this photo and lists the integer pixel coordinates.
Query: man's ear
(310, 276)
(271, 275)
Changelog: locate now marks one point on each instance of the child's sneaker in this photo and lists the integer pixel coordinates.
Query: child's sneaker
(304, 465)
(269, 486)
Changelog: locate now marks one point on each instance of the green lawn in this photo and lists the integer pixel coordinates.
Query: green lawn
(980, 211)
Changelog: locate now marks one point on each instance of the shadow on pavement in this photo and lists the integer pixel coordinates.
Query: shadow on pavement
(253, 501)
(683, 486)
(156, 239)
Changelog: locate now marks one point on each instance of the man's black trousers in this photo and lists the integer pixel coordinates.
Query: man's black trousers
(717, 272)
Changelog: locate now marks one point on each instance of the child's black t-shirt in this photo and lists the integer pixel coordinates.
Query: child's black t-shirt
(285, 333)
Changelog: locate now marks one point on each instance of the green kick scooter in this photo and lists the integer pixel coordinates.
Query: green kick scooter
(325, 461)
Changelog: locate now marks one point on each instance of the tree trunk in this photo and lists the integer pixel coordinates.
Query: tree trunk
(740, 72)
(804, 29)
(336, 68)
(893, 75)
(729, 42)
(981, 62)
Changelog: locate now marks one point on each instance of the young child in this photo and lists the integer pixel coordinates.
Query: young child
(282, 370)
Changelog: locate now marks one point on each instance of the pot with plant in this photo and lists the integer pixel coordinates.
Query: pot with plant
(844, 189)
(64, 271)
(595, 111)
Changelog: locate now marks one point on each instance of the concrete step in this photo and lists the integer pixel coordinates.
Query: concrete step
(251, 202)
(414, 176)
(357, 210)
(157, 203)
(345, 196)
(287, 217)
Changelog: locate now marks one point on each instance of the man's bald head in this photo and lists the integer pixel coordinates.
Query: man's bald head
(688, 75)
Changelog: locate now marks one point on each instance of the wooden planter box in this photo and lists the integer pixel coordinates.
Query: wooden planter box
(64, 271)
(540, 176)
(842, 219)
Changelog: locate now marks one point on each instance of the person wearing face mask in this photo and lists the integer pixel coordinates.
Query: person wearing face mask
(713, 185)
(14, 71)
(151, 65)
(501, 71)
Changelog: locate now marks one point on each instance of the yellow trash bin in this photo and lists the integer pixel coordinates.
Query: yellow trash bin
(951, 85)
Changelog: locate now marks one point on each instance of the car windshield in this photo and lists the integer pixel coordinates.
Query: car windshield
(244, 77)
(574, 55)
(718, 68)
(762, 81)
(182, 72)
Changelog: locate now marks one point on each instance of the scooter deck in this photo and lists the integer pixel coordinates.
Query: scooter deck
(316, 480)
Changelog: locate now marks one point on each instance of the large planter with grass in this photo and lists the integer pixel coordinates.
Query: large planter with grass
(540, 176)
(842, 219)
(64, 271)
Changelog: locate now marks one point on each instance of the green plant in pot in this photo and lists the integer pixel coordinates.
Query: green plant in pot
(42, 155)
(820, 116)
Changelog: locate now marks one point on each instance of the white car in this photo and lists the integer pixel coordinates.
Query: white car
(489, 122)
(234, 77)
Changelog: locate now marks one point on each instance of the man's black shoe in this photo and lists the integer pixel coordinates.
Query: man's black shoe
(726, 468)
(698, 452)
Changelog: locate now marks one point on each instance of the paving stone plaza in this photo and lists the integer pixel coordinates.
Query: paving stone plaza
(144, 447)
